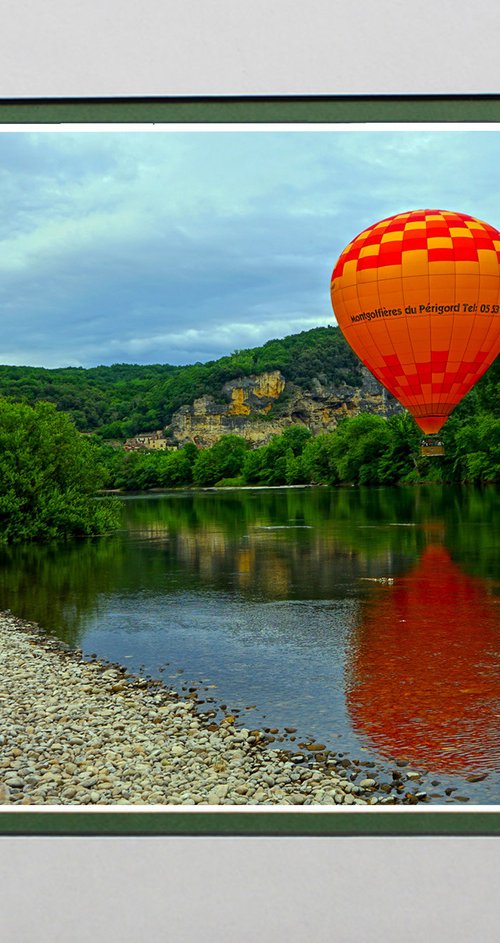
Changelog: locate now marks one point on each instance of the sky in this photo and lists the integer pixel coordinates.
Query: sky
(178, 246)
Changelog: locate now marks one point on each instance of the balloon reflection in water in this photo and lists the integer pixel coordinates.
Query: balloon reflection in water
(423, 678)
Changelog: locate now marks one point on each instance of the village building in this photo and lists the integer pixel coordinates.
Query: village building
(150, 441)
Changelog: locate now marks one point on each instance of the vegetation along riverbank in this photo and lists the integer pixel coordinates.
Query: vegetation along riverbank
(88, 733)
(299, 410)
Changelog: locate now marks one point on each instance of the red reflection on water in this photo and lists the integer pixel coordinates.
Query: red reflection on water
(423, 678)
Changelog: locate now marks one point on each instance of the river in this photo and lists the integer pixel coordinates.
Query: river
(367, 619)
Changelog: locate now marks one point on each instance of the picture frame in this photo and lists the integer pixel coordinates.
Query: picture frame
(289, 110)
(455, 823)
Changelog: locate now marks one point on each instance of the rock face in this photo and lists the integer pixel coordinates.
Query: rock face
(258, 407)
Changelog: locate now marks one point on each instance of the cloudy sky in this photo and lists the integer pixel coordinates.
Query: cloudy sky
(182, 246)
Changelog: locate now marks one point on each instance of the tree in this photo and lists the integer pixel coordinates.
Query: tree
(223, 460)
(477, 450)
(206, 469)
(400, 458)
(317, 460)
(176, 468)
(255, 466)
(358, 445)
(296, 438)
(49, 475)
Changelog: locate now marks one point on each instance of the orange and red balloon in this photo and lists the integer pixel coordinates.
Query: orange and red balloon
(417, 297)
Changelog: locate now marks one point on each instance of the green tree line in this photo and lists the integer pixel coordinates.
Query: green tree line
(364, 450)
(50, 473)
(120, 400)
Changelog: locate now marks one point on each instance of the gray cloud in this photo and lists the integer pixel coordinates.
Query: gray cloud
(183, 246)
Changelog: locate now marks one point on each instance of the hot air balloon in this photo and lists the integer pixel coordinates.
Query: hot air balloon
(417, 297)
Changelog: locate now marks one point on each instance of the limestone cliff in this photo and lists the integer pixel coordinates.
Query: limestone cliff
(258, 407)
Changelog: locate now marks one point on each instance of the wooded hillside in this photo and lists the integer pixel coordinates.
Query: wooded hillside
(123, 399)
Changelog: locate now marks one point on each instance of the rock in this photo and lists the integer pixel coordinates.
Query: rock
(204, 420)
(260, 795)
(69, 792)
(14, 782)
(218, 793)
(4, 793)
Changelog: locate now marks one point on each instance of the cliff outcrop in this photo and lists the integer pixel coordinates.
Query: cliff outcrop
(258, 407)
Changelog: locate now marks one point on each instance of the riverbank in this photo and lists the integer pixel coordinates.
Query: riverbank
(88, 733)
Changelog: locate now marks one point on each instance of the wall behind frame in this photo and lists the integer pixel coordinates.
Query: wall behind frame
(249, 890)
(231, 47)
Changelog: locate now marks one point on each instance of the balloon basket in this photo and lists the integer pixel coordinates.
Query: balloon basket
(431, 447)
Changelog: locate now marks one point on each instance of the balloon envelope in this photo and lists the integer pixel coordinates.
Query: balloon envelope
(417, 296)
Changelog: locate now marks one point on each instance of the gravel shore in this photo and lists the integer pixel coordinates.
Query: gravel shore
(78, 732)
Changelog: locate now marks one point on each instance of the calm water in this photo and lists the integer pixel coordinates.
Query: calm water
(366, 618)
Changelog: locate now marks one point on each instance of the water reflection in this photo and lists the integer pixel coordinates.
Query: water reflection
(262, 544)
(365, 615)
(58, 585)
(422, 674)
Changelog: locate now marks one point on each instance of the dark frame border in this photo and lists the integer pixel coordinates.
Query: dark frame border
(308, 109)
(252, 109)
(374, 823)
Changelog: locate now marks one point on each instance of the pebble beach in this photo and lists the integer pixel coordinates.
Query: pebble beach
(80, 732)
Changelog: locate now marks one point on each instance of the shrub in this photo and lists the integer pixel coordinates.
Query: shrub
(49, 475)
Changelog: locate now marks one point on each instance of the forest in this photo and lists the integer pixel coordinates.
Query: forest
(364, 450)
(118, 401)
(50, 472)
